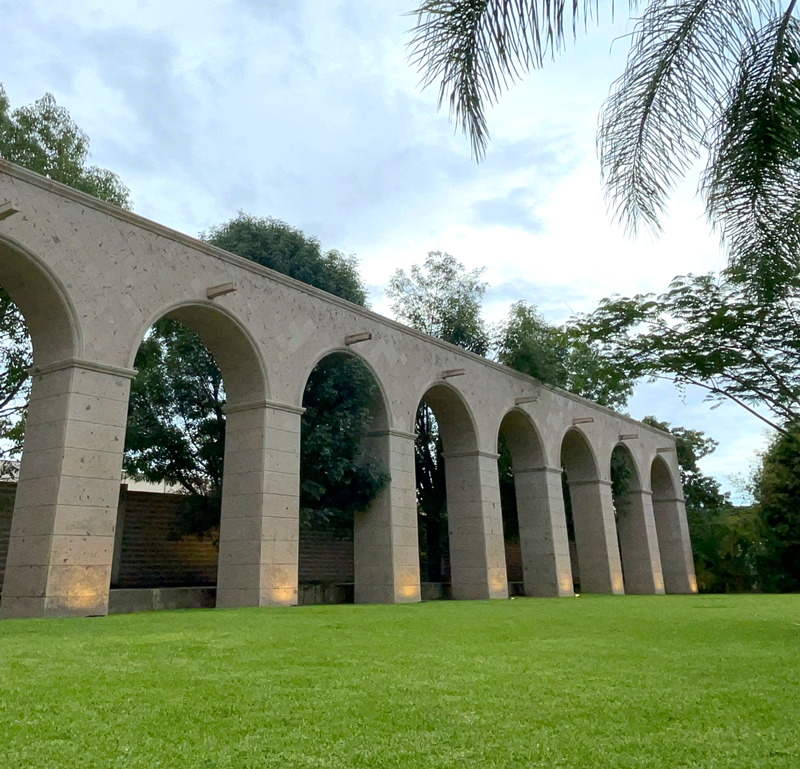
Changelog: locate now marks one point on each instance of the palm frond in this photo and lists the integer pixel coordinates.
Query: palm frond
(475, 48)
(653, 124)
(752, 181)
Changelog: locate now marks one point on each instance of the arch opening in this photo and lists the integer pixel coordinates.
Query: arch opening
(588, 503)
(455, 557)
(635, 525)
(521, 453)
(344, 474)
(672, 529)
(38, 327)
(194, 363)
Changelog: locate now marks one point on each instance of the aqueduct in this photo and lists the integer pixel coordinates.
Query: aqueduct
(90, 280)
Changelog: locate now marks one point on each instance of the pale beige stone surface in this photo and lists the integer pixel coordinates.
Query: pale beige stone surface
(91, 279)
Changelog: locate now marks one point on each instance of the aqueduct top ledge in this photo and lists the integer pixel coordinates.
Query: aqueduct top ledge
(112, 273)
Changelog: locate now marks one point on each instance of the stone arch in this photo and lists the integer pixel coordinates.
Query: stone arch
(375, 528)
(578, 457)
(228, 340)
(474, 520)
(381, 415)
(524, 439)
(638, 542)
(599, 569)
(542, 527)
(44, 302)
(672, 529)
(457, 423)
(662, 483)
(259, 481)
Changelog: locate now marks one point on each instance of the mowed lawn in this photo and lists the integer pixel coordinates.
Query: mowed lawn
(702, 681)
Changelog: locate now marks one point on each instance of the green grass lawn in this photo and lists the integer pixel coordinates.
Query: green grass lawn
(705, 681)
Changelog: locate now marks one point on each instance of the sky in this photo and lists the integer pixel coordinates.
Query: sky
(309, 111)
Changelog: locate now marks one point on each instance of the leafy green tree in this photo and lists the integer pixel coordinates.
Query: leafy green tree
(709, 333)
(285, 249)
(558, 356)
(441, 298)
(776, 488)
(41, 137)
(176, 424)
(336, 479)
(703, 77)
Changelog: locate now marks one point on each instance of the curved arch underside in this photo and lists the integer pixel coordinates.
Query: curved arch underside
(54, 331)
(243, 372)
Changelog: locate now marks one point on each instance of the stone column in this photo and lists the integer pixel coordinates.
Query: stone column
(596, 537)
(260, 525)
(543, 534)
(385, 536)
(638, 541)
(62, 533)
(675, 546)
(477, 547)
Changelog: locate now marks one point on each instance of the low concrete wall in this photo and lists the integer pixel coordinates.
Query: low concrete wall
(127, 601)
(324, 593)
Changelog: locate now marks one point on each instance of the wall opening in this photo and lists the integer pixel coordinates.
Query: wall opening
(343, 470)
(625, 482)
(37, 327)
(192, 364)
(444, 426)
(521, 453)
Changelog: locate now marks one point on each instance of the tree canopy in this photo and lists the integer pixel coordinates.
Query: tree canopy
(44, 138)
(41, 137)
(442, 298)
(558, 356)
(286, 249)
(711, 333)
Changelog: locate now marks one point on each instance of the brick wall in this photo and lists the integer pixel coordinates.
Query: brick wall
(7, 491)
(151, 557)
(324, 558)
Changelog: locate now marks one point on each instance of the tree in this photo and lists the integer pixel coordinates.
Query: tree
(176, 423)
(703, 76)
(285, 249)
(776, 488)
(558, 356)
(41, 137)
(441, 298)
(709, 333)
